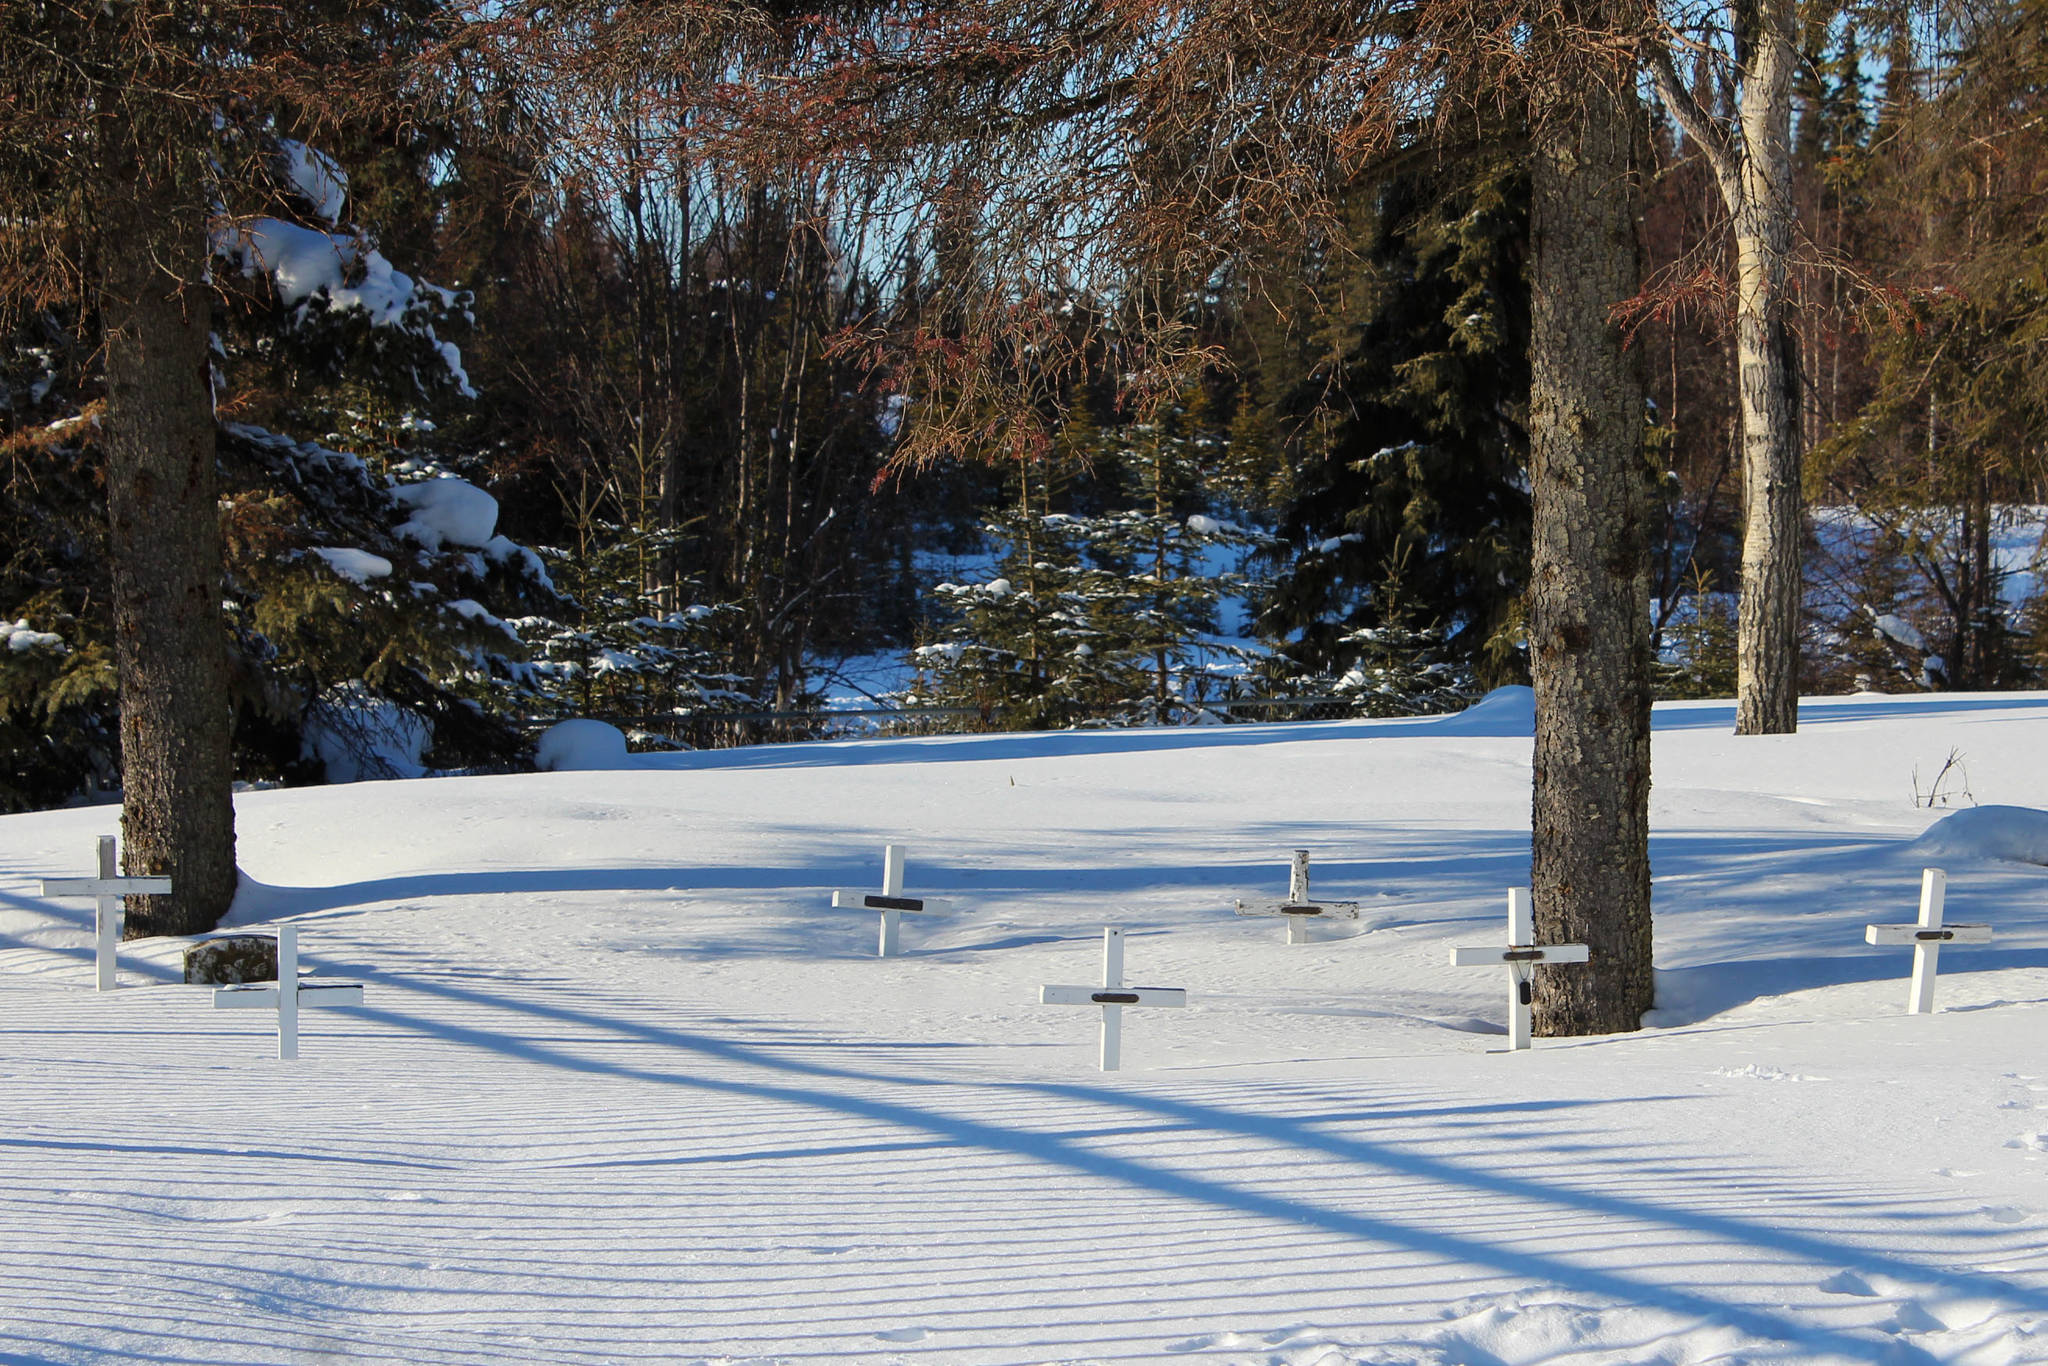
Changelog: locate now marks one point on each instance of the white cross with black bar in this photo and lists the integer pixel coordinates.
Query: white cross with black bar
(891, 903)
(106, 890)
(1112, 996)
(1300, 908)
(1521, 956)
(1927, 936)
(289, 995)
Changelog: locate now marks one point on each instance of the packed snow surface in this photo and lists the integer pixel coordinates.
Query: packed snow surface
(626, 1087)
(2017, 833)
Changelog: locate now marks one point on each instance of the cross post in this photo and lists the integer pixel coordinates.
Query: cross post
(1113, 996)
(1521, 957)
(1300, 908)
(289, 995)
(106, 890)
(891, 903)
(1927, 935)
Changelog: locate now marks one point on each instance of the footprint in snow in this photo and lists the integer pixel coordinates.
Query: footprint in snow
(2004, 1214)
(1911, 1318)
(1847, 1283)
(1209, 1342)
(2031, 1142)
(905, 1334)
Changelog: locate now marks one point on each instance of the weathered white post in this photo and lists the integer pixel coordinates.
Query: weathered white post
(1112, 997)
(891, 903)
(1927, 936)
(1300, 908)
(288, 995)
(106, 890)
(1521, 957)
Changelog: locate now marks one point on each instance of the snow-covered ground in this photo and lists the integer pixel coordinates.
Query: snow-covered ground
(627, 1089)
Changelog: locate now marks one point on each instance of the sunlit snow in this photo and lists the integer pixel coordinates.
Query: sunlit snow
(626, 1087)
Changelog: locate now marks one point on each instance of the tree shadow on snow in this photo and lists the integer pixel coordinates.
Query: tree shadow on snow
(1536, 1189)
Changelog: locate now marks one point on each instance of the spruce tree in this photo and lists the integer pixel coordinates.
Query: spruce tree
(1408, 511)
(1107, 613)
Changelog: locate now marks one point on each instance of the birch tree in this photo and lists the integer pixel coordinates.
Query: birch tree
(1755, 43)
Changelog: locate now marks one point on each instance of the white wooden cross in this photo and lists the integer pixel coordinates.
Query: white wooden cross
(289, 995)
(106, 890)
(1300, 908)
(1521, 956)
(891, 903)
(1927, 936)
(1112, 996)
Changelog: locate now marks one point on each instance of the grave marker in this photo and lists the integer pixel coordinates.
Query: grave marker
(891, 903)
(106, 890)
(1521, 956)
(1927, 935)
(1112, 996)
(289, 994)
(1300, 908)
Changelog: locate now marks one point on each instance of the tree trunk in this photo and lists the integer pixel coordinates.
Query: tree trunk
(170, 644)
(1767, 642)
(1589, 596)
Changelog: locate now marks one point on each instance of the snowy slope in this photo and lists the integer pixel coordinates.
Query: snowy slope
(627, 1089)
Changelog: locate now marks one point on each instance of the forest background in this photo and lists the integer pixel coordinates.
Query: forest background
(678, 434)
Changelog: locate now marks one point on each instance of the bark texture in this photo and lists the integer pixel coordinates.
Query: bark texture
(1767, 629)
(170, 644)
(1751, 157)
(1589, 625)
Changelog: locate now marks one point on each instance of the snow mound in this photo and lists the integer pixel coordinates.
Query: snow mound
(581, 745)
(448, 511)
(357, 566)
(1502, 713)
(21, 638)
(2017, 834)
(315, 175)
(358, 735)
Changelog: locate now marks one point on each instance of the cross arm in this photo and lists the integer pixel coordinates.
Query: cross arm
(1549, 953)
(1917, 934)
(252, 996)
(1327, 910)
(875, 901)
(106, 886)
(1112, 996)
